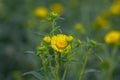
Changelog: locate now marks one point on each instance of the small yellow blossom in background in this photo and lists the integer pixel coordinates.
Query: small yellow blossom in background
(41, 12)
(60, 43)
(47, 39)
(79, 27)
(115, 8)
(57, 8)
(112, 37)
(102, 22)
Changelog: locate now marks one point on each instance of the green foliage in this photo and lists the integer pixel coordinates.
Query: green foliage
(88, 22)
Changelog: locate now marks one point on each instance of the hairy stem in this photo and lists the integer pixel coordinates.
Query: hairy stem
(64, 74)
(50, 64)
(44, 67)
(83, 67)
(53, 27)
(57, 66)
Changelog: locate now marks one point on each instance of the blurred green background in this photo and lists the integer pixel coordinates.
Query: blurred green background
(82, 18)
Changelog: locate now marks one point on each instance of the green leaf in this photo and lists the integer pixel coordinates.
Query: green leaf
(61, 18)
(29, 52)
(35, 74)
(41, 34)
(97, 57)
(91, 70)
(60, 30)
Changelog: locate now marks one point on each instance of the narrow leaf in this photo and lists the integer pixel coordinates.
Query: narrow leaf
(35, 74)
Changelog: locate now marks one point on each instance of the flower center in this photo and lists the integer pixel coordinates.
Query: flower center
(61, 44)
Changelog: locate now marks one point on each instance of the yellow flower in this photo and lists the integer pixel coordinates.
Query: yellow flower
(60, 43)
(112, 37)
(57, 8)
(79, 27)
(102, 22)
(115, 8)
(41, 12)
(47, 39)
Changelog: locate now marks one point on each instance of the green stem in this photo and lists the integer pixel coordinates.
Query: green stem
(64, 74)
(83, 67)
(57, 66)
(110, 74)
(66, 67)
(44, 67)
(50, 64)
(53, 27)
(45, 70)
(114, 51)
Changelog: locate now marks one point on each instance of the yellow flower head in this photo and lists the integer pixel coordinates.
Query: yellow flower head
(115, 8)
(79, 27)
(102, 22)
(57, 8)
(112, 37)
(41, 12)
(60, 42)
(47, 39)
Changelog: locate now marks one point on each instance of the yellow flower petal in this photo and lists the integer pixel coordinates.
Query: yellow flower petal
(112, 37)
(60, 42)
